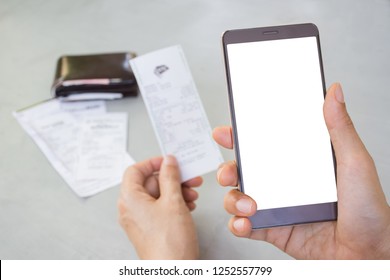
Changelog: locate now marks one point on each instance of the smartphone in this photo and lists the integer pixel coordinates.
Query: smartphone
(283, 151)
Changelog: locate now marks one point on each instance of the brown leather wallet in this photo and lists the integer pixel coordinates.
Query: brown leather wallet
(97, 76)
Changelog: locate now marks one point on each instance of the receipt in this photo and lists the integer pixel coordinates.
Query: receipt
(176, 111)
(56, 128)
(102, 146)
(59, 133)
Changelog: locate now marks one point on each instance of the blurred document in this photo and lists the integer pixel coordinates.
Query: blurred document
(176, 111)
(56, 128)
(59, 133)
(102, 146)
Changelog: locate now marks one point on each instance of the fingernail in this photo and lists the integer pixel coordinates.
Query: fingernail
(219, 173)
(339, 94)
(170, 160)
(244, 205)
(238, 224)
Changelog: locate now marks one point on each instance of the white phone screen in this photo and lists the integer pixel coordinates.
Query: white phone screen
(284, 146)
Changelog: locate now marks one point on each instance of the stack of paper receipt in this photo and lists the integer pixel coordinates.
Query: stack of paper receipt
(86, 145)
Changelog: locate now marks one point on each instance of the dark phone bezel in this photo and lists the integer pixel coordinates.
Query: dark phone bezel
(286, 215)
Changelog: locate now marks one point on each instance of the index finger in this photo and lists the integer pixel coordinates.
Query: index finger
(223, 136)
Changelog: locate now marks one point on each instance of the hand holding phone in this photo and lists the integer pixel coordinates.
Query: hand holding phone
(363, 216)
(362, 227)
(283, 150)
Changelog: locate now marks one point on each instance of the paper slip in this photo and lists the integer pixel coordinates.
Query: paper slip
(176, 111)
(55, 128)
(102, 147)
(59, 133)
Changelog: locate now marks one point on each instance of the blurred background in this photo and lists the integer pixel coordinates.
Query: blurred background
(41, 218)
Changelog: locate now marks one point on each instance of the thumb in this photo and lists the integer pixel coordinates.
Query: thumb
(169, 177)
(358, 187)
(346, 142)
(356, 172)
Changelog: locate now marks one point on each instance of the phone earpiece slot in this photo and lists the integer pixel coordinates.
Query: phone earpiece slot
(272, 32)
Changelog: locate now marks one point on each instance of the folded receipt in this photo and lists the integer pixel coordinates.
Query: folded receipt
(176, 111)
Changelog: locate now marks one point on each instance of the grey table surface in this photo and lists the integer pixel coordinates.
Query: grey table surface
(41, 218)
